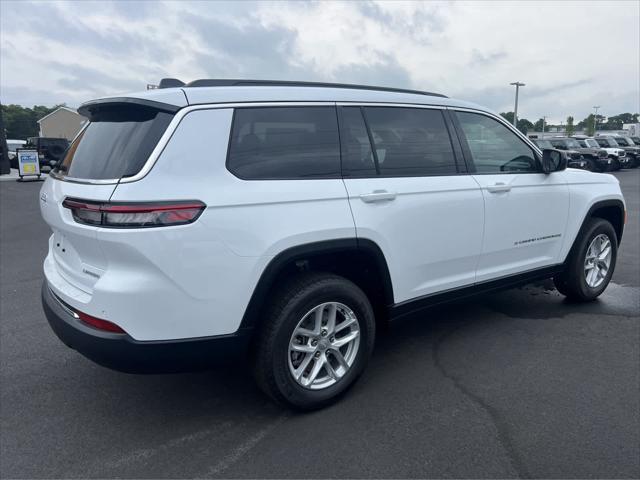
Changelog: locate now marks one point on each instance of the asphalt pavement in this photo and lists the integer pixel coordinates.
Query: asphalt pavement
(517, 384)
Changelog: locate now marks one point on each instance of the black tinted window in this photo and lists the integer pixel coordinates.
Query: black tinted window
(410, 141)
(357, 154)
(116, 143)
(495, 148)
(285, 142)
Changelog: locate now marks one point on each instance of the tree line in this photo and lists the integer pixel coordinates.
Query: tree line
(21, 122)
(587, 124)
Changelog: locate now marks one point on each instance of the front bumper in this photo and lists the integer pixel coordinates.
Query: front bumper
(121, 352)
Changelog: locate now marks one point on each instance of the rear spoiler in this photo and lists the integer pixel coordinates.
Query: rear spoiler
(88, 109)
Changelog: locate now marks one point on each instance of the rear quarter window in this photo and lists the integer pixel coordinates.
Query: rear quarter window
(272, 143)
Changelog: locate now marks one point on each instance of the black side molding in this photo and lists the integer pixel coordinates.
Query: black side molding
(413, 306)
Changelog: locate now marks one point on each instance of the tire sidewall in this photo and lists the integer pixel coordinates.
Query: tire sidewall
(337, 291)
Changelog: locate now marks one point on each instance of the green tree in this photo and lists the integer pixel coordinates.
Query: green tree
(570, 130)
(538, 125)
(524, 125)
(508, 116)
(21, 122)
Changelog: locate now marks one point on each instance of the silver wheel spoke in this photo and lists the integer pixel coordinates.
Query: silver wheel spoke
(338, 356)
(605, 253)
(349, 337)
(332, 311)
(302, 367)
(303, 348)
(317, 327)
(305, 332)
(317, 366)
(331, 371)
(347, 323)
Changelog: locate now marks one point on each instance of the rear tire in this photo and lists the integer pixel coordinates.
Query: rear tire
(591, 262)
(299, 339)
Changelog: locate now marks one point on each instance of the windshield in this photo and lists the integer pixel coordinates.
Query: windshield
(572, 143)
(607, 142)
(117, 143)
(592, 143)
(543, 143)
(623, 142)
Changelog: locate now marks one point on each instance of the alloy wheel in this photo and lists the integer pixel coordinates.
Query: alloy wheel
(324, 345)
(597, 260)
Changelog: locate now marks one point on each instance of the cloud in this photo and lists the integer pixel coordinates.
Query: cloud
(71, 52)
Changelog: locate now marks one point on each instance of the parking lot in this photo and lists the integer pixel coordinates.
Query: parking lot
(517, 384)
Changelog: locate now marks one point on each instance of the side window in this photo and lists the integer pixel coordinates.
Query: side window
(357, 154)
(495, 148)
(284, 143)
(410, 141)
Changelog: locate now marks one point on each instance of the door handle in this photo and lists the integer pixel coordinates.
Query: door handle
(499, 187)
(378, 196)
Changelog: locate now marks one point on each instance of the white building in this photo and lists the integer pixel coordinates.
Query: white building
(63, 122)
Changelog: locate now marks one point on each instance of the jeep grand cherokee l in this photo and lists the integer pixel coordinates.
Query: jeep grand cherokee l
(283, 221)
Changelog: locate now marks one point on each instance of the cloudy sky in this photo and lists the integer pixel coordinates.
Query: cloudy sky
(571, 55)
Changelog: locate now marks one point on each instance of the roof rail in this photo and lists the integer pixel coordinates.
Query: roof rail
(216, 82)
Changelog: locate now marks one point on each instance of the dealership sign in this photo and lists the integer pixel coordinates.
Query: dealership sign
(28, 164)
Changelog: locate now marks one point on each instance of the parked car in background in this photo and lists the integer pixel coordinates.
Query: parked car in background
(302, 218)
(614, 150)
(635, 140)
(573, 158)
(50, 150)
(633, 151)
(597, 157)
(12, 146)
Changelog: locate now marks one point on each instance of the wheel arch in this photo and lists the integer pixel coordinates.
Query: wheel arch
(612, 210)
(359, 260)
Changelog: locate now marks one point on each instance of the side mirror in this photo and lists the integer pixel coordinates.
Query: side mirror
(553, 160)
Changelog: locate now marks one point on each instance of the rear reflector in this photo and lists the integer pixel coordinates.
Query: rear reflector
(134, 215)
(88, 319)
(99, 324)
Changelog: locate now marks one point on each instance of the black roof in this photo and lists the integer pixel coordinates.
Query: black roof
(221, 82)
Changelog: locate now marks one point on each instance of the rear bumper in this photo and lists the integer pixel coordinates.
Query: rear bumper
(123, 353)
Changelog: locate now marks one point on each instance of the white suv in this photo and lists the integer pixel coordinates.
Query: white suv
(283, 221)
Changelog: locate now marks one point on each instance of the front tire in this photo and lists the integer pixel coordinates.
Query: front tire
(591, 262)
(315, 342)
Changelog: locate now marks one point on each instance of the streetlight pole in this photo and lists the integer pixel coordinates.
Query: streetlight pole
(515, 110)
(595, 118)
(544, 120)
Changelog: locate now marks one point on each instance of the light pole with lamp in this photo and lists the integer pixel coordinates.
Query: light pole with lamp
(515, 110)
(595, 118)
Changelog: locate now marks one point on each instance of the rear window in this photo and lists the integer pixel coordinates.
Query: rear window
(270, 143)
(410, 141)
(116, 143)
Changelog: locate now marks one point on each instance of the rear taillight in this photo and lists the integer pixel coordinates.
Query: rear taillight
(134, 215)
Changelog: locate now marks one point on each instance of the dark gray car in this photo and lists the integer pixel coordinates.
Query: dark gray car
(597, 158)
